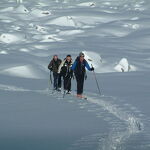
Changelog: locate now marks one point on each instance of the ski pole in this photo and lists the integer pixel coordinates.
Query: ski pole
(96, 82)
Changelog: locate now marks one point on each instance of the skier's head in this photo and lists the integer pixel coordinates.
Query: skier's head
(55, 57)
(81, 56)
(68, 58)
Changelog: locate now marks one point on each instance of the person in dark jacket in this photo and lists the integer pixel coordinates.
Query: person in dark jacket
(79, 68)
(53, 66)
(67, 73)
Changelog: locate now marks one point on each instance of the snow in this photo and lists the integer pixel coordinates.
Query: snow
(63, 21)
(87, 4)
(124, 66)
(93, 59)
(25, 71)
(114, 36)
(10, 38)
(40, 13)
(22, 9)
(3, 52)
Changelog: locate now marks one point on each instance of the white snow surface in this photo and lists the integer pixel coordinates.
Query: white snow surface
(114, 36)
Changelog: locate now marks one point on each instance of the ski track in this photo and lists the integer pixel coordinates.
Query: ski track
(104, 106)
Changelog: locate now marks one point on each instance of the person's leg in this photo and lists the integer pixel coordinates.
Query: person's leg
(55, 81)
(82, 84)
(65, 83)
(78, 85)
(59, 81)
(68, 86)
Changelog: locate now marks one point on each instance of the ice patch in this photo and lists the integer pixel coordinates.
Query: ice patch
(10, 38)
(63, 21)
(124, 66)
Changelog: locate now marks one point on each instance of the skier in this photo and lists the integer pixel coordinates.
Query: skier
(80, 72)
(53, 66)
(67, 73)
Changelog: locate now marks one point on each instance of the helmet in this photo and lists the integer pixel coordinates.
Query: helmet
(81, 54)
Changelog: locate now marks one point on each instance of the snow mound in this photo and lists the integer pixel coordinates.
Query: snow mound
(87, 4)
(48, 38)
(93, 59)
(9, 38)
(24, 50)
(40, 13)
(63, 21)
(71, 32)
(124, 66)
(22, 9)
(7, 9)
(25, 71)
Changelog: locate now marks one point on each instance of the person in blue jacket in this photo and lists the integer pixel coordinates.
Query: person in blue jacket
(79, 68)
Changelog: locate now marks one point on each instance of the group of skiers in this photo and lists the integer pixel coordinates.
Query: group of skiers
(68, 69)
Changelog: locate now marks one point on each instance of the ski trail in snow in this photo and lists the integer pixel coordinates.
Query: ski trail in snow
(117, 136)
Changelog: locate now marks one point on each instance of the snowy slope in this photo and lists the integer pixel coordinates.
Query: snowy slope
(114, 35)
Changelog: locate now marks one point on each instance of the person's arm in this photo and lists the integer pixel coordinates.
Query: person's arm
(88, 67)
(60, 66)
(74, 65)
(50, 66)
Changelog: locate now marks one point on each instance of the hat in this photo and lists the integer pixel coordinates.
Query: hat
(68, 56)
(55, 55)
(81, 54)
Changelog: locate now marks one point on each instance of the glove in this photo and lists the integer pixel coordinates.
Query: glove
(92, 69)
